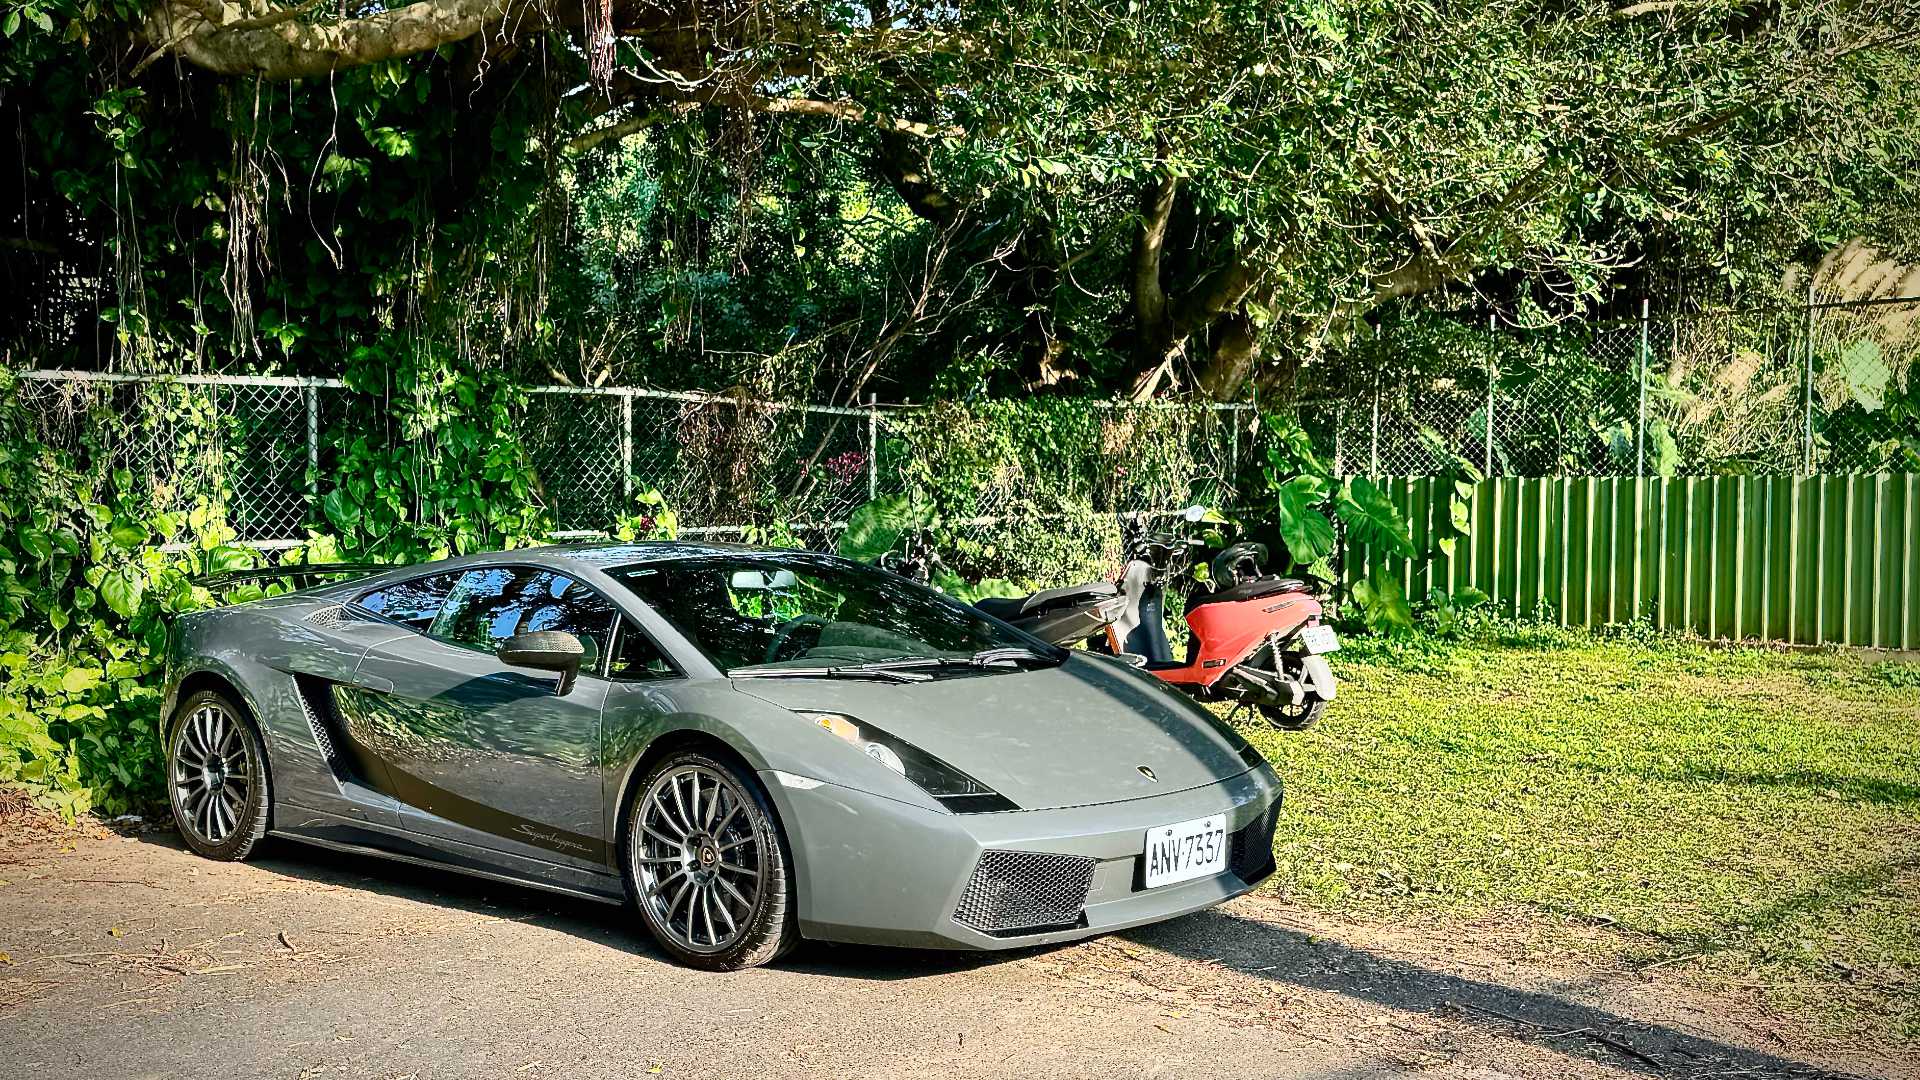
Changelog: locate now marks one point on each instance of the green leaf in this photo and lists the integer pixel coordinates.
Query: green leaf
(229, 557)
(79, 680)
(34, 542)
(1866, 374)
(341, 510)
(1307, 532)
(1383, 603)
(128, 534)
(874, 528)
(1374, 519)
(122, 589)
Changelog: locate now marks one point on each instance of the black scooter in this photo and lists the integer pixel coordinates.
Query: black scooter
(1065, 616)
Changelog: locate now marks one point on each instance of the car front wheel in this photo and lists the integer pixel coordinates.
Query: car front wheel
(707, 865)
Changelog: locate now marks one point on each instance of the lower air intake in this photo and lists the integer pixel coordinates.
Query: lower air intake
(1251, 854)
(1025, 892)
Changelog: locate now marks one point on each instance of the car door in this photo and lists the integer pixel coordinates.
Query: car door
(487, 754)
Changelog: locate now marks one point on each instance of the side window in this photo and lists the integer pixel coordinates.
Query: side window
(489, 606)
(413, 603)
(636, 657)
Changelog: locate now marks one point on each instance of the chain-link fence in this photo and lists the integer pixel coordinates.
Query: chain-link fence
(1831, 388)
(1825, 389)
(1010, 482)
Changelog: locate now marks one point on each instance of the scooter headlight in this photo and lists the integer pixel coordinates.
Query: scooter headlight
(955, 790)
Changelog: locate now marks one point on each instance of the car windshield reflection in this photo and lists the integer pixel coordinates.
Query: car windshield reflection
(804, 614)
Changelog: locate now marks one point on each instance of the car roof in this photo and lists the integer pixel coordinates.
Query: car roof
(608, 556)
(597, 556)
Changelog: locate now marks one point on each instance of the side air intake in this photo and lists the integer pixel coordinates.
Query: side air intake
(1025, 892)
(317, 703)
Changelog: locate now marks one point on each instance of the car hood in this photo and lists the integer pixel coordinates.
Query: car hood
(1085, 732)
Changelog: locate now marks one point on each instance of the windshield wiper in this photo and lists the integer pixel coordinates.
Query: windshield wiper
(1006, 654)
(845, 671)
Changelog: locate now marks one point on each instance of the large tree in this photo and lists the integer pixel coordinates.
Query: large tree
(1142, 197)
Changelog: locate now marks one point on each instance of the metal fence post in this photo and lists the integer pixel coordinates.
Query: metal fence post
(873, 447)
(1339, 448)
(1806, 384)
(313, 444)
(626, 449)
(1493, 375)
(1379, 365)
(1640, 417)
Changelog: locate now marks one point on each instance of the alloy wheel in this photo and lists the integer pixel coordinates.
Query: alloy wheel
(699, 862)
(213, 773)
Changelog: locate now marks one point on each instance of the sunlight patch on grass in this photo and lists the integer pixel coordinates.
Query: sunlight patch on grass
(1750, 817)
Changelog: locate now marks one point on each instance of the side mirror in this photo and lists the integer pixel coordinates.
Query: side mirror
(546, 650)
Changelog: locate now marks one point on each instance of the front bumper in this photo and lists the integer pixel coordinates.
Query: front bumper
(876, 871)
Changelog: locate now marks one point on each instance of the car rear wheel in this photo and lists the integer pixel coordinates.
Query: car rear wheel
(707, 865)
(217, 777)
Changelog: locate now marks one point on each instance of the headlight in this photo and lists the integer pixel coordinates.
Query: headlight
(955, 790)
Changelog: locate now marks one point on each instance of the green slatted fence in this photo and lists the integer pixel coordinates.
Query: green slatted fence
(1805, 560)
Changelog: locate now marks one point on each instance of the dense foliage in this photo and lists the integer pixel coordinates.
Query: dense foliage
(918, 200)
(442, 202)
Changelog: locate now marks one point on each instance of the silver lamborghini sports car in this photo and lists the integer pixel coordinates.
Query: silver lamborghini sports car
(752, 747)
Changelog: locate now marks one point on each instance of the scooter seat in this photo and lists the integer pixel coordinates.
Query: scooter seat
(1000, 607)
(1250, 590)
(1014, 607)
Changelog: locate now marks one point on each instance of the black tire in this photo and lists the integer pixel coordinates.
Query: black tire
(221, 794)
(1293, 717)
(662, 868)
(1288, 717)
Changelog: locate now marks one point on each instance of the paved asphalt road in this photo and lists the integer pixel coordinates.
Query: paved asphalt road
(128, 957)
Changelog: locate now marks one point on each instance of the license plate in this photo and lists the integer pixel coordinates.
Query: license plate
(1318, 639)
(1188, 850)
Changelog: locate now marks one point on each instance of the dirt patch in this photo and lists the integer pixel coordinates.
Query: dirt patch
(130, 956)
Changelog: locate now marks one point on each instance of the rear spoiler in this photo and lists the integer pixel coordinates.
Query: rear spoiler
(294, 572)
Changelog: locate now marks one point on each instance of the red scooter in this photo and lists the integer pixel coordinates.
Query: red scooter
(1256, 638)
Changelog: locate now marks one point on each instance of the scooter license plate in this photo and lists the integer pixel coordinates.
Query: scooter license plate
(1318, 639)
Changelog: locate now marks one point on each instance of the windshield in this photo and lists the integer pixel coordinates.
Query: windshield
(804, 611)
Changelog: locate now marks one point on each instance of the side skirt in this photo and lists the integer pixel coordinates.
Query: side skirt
(369, 844)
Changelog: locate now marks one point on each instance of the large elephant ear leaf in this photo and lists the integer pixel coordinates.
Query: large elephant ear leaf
(1383, 603)
(1308, 533)
(874, 528)
(1375, 521)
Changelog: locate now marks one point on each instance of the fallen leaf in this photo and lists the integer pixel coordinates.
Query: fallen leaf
(5, 959)
(115, 931)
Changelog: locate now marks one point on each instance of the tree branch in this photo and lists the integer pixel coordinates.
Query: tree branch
(849, 111)
(618, 130)
(275, 45)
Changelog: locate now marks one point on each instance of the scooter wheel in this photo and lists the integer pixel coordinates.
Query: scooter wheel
(1292, 717)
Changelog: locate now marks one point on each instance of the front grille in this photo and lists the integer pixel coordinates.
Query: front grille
(1251, 854)
(1025, 892)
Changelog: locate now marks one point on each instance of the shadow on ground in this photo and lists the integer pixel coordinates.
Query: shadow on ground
(1568, 1027)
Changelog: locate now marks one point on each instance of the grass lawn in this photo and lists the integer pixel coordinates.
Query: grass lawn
(1748, 819)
